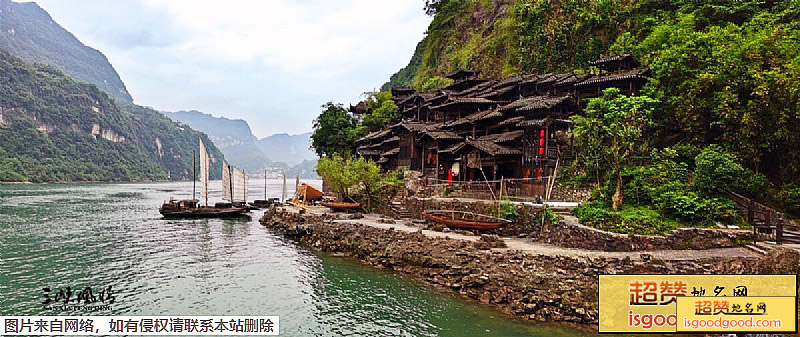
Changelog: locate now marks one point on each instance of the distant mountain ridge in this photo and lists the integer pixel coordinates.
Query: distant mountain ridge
(53, 128)
(232, 136)
(28, 32)
(289, 149)
(286, 153)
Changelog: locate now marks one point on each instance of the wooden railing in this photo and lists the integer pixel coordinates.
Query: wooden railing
(765, 220)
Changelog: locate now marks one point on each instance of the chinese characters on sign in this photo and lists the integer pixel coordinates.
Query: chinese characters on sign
(649, 303)
(140, 325)
(86, 299)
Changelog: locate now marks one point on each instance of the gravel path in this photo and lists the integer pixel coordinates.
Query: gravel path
(528, 246)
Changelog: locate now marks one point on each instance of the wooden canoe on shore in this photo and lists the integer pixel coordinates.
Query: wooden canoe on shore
(342, 206)
(464, 220)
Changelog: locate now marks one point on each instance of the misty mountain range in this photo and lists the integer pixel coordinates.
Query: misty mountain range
(77, 113)
(279, 152)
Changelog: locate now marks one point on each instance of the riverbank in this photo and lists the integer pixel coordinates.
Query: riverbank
(526, 279)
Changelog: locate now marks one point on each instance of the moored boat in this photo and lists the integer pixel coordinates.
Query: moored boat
(464, 220)
(264, 203)
(342, 206)
(190, 209)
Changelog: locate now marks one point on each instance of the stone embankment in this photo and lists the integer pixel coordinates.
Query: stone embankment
(568, 232)
(538, 284)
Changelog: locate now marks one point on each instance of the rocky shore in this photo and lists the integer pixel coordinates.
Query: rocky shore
(551, 287)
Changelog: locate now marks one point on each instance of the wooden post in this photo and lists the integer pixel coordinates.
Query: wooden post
(751, 220)
(779, 231)
(767, 219)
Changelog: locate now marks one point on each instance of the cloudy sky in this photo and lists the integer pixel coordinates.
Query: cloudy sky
(269, 62)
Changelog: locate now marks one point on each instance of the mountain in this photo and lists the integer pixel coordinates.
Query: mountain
(54, 128)
(281, 152)
(724, 72)
(289, 149)
(28, 32)
(232, 136)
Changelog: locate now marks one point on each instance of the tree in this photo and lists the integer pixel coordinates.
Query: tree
(434, 83)
(334, 170)
(346, 176)
(368, 175)
(616, 123)
(383, 110)
(335, 131)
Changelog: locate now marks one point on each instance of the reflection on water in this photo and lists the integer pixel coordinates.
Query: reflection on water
(99, 235)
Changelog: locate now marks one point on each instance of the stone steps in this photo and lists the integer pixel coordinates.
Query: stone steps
(756, 249)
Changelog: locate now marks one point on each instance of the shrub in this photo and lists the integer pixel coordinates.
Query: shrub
(628, 220)
(507, 210)
(690, 207)
(755, 185)
(790, 198)
(716, 168)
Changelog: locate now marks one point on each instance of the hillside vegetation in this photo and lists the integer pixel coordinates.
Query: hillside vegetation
(28, 32)
(724, 72)
(53, 128)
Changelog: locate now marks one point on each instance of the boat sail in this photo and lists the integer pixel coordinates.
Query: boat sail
(204, 165)
(227, 182)
(239, 185)
(191, 208)
(234, 183)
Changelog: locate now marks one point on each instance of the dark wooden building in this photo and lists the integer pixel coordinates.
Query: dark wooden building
(485, 130)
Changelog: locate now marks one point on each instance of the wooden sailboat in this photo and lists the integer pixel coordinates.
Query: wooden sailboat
(191, 208)
(464, 220)
(266, 202)
(234, 187)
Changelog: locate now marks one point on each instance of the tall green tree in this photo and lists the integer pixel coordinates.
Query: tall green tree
(335, 131)
(383, 110)
(617, 124)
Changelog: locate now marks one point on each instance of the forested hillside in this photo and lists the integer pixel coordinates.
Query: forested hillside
(53, 128)
(724, 72)
(27, 31)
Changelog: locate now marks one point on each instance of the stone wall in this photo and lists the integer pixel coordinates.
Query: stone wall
(569, 233)
(535, 287)
(527, 220)
(569, 193)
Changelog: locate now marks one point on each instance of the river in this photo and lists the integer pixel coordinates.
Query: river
(100, 235)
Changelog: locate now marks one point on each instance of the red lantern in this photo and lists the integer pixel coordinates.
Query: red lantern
(541, 143)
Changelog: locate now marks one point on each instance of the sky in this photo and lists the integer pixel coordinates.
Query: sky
(272, 63)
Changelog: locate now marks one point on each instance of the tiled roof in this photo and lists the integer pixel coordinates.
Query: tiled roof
(492, 148)
(476, 116)
(511, 121)
(503, 137)
(369, 152)
(610, 59)
(391, 152)
(542, 122)
(641, 73)
(391, 140)
(466, 100)
(534, 103)
(441, 135)
(375, 135)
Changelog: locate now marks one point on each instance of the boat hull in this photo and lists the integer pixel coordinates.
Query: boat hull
(343, 206)
(461, 223)
(204, 212)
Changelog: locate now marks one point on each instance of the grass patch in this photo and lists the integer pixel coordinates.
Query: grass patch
(629, 220)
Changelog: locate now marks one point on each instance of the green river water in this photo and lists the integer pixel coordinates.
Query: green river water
(100, 235)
